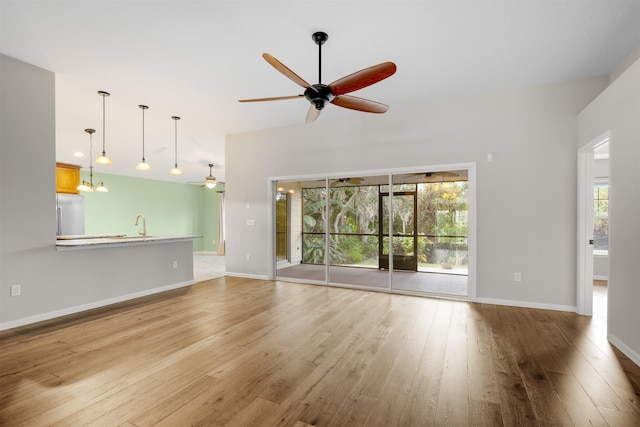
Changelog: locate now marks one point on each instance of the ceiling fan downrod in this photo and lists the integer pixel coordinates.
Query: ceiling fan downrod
(320, 37)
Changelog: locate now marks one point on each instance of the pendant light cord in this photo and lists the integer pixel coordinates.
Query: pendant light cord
(143, 108)
(176, 118)
(143, 134)
(103, 123)
(91, 158)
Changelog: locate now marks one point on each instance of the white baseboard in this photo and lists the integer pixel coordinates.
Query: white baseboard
(84, 307)
(620, 345)
(246, 276)
(528, 304)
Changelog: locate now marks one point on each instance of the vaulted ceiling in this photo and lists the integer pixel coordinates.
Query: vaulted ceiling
(196, 59)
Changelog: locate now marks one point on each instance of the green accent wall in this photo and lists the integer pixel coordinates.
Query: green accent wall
(169, 208)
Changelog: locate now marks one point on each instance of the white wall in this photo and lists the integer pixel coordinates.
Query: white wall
(617, 110)
(54, 282)
(526, 197)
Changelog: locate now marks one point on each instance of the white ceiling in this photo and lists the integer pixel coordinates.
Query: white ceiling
(195, 59)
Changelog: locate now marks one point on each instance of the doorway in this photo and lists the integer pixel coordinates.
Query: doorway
(592, 221)
(404, 231)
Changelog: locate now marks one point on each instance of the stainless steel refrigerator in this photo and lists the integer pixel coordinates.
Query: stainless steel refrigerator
(70, 214)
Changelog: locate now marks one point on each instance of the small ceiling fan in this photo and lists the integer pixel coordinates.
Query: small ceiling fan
(439, 176)
(209, 181)
(320, 94)
(354, 181)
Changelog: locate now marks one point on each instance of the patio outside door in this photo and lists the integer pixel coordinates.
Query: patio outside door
(405, 231)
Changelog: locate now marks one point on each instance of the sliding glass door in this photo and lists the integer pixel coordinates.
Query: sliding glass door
(410, 237)
(354, 232)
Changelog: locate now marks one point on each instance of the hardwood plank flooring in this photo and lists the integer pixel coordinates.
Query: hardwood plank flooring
(246, 352)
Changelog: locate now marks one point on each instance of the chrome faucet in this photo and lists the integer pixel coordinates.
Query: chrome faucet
(142, 233)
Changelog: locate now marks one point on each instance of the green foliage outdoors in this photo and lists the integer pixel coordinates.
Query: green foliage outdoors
(353, 222)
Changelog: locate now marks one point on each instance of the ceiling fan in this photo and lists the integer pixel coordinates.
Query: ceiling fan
(320, 94)
(209, 181)
(439, 176)
(354, 181)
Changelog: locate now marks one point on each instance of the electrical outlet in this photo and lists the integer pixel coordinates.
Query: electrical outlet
(248, 257)
(175, 264)
(517, 277)
(16, 290)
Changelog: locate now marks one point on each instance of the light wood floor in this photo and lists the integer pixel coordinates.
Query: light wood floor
(244, 352)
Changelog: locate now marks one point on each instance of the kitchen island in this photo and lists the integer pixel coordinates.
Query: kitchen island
(113, 240)
(93, 271)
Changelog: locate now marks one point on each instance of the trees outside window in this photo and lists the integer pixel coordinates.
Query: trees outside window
(442, 221)
(601, 217)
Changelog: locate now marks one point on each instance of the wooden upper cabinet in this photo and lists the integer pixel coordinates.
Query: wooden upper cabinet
(67, 178)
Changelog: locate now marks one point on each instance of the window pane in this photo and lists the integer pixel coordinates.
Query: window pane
(601, 234)
(601, 217)
(282, 226)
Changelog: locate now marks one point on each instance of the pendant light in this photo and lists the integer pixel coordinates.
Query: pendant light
(210, 181)
(103, 159)
(88, 186)
(143, 165)
(176, 170)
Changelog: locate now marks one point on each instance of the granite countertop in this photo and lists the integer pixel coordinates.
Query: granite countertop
(94, 241)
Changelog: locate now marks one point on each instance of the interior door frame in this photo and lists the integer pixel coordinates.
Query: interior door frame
(584, 270)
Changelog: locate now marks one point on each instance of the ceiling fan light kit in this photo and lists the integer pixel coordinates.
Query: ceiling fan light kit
(210, 181)
(319, 94)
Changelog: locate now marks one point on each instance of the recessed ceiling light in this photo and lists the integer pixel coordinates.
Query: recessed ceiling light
(78, 154)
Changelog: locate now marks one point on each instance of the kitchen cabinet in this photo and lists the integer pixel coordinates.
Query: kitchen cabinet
(67, 178)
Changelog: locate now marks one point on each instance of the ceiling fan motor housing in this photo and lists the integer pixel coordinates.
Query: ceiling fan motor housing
(320, 95)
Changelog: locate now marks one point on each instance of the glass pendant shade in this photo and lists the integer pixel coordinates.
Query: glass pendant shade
(84, 186)
(103, 159)
(101, 188)
(143, 165)
(175, 171)
(210, 184)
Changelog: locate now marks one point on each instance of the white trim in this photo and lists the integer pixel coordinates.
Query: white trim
(584, 251)
(393, 171)
(90, 306)
(628, 351)
(527, 304)
(247, 276)
(606, 278)
(471, 242)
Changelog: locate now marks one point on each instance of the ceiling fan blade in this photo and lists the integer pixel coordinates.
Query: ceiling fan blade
(363, 78)
(274, 98)
(312, 114)
(286, 71)
(360, 104)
